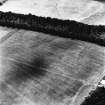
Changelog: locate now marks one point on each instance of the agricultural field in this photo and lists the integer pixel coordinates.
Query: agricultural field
(39, 65)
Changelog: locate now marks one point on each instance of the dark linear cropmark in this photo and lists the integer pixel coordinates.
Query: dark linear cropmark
(62, 28)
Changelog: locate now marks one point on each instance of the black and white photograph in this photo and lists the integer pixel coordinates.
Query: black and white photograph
(52, 52)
